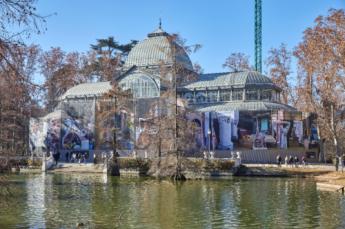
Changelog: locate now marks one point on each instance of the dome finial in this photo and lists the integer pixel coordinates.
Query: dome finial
(158, 32)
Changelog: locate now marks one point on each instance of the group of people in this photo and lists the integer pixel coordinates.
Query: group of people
(70, 157)
(76, 157)
(290, 160)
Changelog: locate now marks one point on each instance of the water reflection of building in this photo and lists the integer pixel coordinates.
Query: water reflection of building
(231, 110)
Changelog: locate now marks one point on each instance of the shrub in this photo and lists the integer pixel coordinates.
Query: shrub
(198, 164)
(134, 163)
(218, 164)
(34, 163)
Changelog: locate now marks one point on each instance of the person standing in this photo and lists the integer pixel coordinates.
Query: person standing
(279, 160)
(56, 156)
(67, 156)
(341, 163)
(296, 160)
(291, 161)
(286, 160)
(303, 161)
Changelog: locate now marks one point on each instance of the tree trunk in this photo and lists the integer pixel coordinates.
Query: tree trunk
(336, 145)
(322, 151)
(113, 166)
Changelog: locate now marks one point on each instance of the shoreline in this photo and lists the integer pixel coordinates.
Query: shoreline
(323, 173)
(273, 170)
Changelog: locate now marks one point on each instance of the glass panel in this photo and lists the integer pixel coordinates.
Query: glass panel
(251, 94)
(201, 97)
(141, 86)
(225, 95)
(266, 95)
(237, 94)
(189, 97)
(212, 96)
(274, 96)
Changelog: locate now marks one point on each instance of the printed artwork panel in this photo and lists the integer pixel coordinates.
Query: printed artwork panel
(53, 127)
(37, 133)
(78, 125)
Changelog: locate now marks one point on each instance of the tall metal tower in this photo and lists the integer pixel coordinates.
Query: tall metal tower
(258, 33)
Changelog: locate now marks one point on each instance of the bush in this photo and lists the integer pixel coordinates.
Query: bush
(217, 164)
(198, 164)
(34, 163)
(134, 163)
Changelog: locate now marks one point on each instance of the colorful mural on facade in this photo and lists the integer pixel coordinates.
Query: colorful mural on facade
(78, 125)
(53, 123)
(38, 132)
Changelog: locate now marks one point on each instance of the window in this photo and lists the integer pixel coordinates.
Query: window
(141, 86)
(189, 97)
(212, 96)
(266, 95)
(237, 94)
(251, 94)
(275, 96)
(200, 97)
(225, 95)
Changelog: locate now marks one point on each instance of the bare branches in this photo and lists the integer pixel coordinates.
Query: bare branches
(278, 62)
(237, 62)
(21, 14)
(321, 57)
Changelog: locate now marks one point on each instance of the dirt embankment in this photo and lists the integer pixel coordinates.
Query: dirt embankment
(274, 171)
(191, 168)
(337, 178)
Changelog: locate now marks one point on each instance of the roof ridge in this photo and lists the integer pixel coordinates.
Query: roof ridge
(93, 83)
(234, 72)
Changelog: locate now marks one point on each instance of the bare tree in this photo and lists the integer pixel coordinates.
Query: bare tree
(61, 71)
(18, 19)
(197, 68)
(279, 64)
(17, 98)
(321, 74)
(108, 134)
(237, 62)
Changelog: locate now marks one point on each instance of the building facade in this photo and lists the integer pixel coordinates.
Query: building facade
(229, 110)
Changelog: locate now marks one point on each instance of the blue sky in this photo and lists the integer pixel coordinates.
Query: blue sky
(220, 26)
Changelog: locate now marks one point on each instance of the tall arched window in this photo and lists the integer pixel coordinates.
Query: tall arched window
(141, 86)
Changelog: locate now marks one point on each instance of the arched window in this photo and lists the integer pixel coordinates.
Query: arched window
(141, 86)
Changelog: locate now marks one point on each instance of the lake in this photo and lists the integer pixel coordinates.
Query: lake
(98, 201)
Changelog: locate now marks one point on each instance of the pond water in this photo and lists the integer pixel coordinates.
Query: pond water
(62, 200)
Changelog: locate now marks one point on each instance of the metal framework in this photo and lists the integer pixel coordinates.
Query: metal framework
(258, 33)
